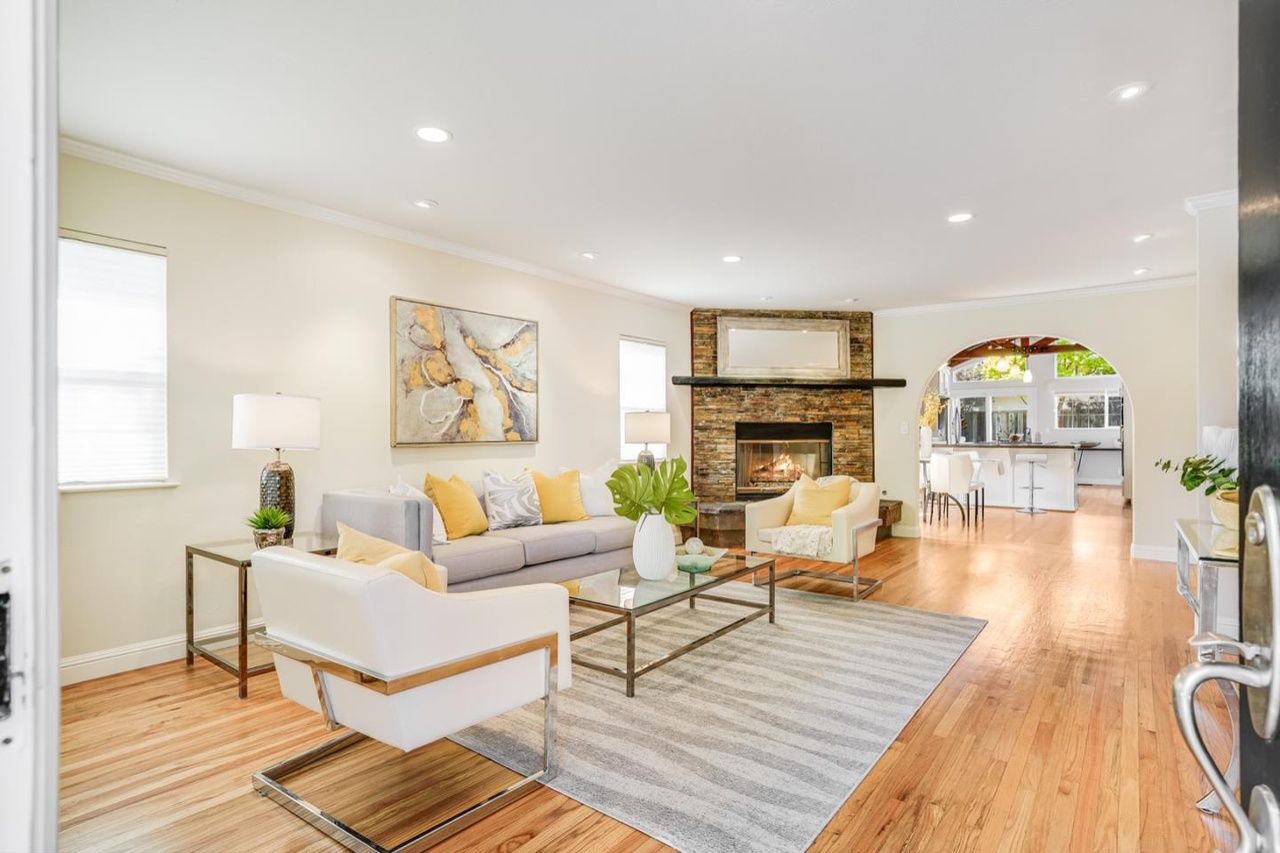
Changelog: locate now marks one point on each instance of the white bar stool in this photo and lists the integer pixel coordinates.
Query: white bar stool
(1033, 461)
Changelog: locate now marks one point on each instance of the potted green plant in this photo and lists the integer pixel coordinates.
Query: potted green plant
(650, 497)
(268, 526)
(1218, 481)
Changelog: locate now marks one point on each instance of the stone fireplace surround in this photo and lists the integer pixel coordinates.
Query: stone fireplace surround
(717, 410)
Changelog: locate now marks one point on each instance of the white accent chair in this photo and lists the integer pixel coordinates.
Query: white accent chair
(367, 648)
(853, 533)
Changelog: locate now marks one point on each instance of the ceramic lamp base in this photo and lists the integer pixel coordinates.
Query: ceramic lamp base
(275, 488)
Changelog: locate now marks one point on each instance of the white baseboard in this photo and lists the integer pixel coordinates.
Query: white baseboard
(906, 531)
(1154, 552)
(1230, 627)
(135, 655)
(1100, 481)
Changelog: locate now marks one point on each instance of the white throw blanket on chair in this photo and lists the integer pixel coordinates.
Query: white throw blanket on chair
(803, 540)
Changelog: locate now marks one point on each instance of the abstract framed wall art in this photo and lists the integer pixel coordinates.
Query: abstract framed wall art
(461, 377)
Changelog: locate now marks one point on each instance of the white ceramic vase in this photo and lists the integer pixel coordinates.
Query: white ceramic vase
(653, 548)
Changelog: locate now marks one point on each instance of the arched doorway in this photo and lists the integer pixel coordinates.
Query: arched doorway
(1001, 400)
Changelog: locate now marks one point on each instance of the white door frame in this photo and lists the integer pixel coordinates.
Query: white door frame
(28, 375)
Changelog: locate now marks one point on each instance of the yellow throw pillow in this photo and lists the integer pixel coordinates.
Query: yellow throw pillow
(813, 504)
(457, 505)
(365, 550)
(418, 568)
(560, 497)
(357, 547)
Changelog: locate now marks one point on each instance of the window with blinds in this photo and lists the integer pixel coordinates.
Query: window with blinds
(112, 424)
(642, 387)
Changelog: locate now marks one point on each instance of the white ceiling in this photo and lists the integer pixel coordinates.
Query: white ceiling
(823, 141)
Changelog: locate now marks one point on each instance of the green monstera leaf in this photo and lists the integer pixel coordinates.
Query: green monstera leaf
(637, 490)
(629, 486)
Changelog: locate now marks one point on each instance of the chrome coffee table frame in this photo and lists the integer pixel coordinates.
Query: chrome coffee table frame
(747, 567)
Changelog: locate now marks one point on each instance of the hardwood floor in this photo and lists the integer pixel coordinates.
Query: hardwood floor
(1055, 730)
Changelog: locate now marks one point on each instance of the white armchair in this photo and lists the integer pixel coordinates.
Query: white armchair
(367, 648)
(855, 522)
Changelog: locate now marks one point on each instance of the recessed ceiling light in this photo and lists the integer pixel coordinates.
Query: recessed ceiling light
(590, 256)
(1142, 238)
(1130, 91)
(1141, 271)
(766, 298)
(434, 134)
(426, 203)
(731, 259)
(850, 299)
(960, 217)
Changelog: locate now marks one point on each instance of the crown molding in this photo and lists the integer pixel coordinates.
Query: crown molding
(130, 163)
(1042, 296)
(1222, 198)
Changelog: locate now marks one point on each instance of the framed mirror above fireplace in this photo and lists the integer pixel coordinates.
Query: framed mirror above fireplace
(772, 456)
(782, 347)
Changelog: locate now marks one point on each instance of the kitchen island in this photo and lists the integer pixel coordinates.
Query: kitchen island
(1006, 481)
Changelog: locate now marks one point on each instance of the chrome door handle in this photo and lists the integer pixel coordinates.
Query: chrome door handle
(1185, 685)
(1208, 641)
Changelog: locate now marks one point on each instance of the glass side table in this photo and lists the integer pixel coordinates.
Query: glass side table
(1205, 551)
(238, 553)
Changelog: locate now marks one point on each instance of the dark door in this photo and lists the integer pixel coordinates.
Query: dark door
(1259, 305)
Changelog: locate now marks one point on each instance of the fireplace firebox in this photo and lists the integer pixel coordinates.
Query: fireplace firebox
(772, 456)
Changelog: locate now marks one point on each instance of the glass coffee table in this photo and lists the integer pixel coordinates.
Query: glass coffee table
(627, 596)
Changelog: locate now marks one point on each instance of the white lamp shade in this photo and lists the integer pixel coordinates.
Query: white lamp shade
(271, 421)
(647, 427)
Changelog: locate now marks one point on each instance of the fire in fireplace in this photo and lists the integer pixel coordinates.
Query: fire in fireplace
(772, 456)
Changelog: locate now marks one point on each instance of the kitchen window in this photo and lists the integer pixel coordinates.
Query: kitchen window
(1101, 410)
(997, 416)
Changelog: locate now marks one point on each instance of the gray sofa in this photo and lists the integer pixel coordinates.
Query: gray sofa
(497, 558)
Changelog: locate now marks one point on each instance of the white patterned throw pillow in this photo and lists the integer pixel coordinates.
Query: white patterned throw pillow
(438, 534)
(511, 501)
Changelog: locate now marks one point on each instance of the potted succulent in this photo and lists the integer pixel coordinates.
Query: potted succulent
(656, 499)
(268, 526)
(1218, 481)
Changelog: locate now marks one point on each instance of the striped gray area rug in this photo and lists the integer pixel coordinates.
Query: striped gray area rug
(751, 742)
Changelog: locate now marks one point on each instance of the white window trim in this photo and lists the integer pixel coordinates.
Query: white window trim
(84, 488)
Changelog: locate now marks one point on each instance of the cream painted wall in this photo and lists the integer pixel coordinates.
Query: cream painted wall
(1217, 260)
(1133, 329)
(261, 300)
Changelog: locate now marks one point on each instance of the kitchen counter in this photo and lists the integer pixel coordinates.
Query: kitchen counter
(1006, 480)
(1017, 445)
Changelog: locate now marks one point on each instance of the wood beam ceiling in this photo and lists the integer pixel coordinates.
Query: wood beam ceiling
(1013, 346)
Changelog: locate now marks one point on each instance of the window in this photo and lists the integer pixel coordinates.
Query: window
(997, 417)
(973, 418)
(1089, 411)
(1082, 363)
(112, 424)
(642, 387)
(1115, 410)
(991, 369)
(1008, 416)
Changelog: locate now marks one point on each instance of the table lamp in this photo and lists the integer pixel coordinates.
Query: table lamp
(275, 422)
(644, 428)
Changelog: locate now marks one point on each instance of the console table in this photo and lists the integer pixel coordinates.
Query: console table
(1206, 553)
(238, 554)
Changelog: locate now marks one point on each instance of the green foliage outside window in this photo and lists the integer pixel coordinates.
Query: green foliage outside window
(1086, 363)
(992, 369)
